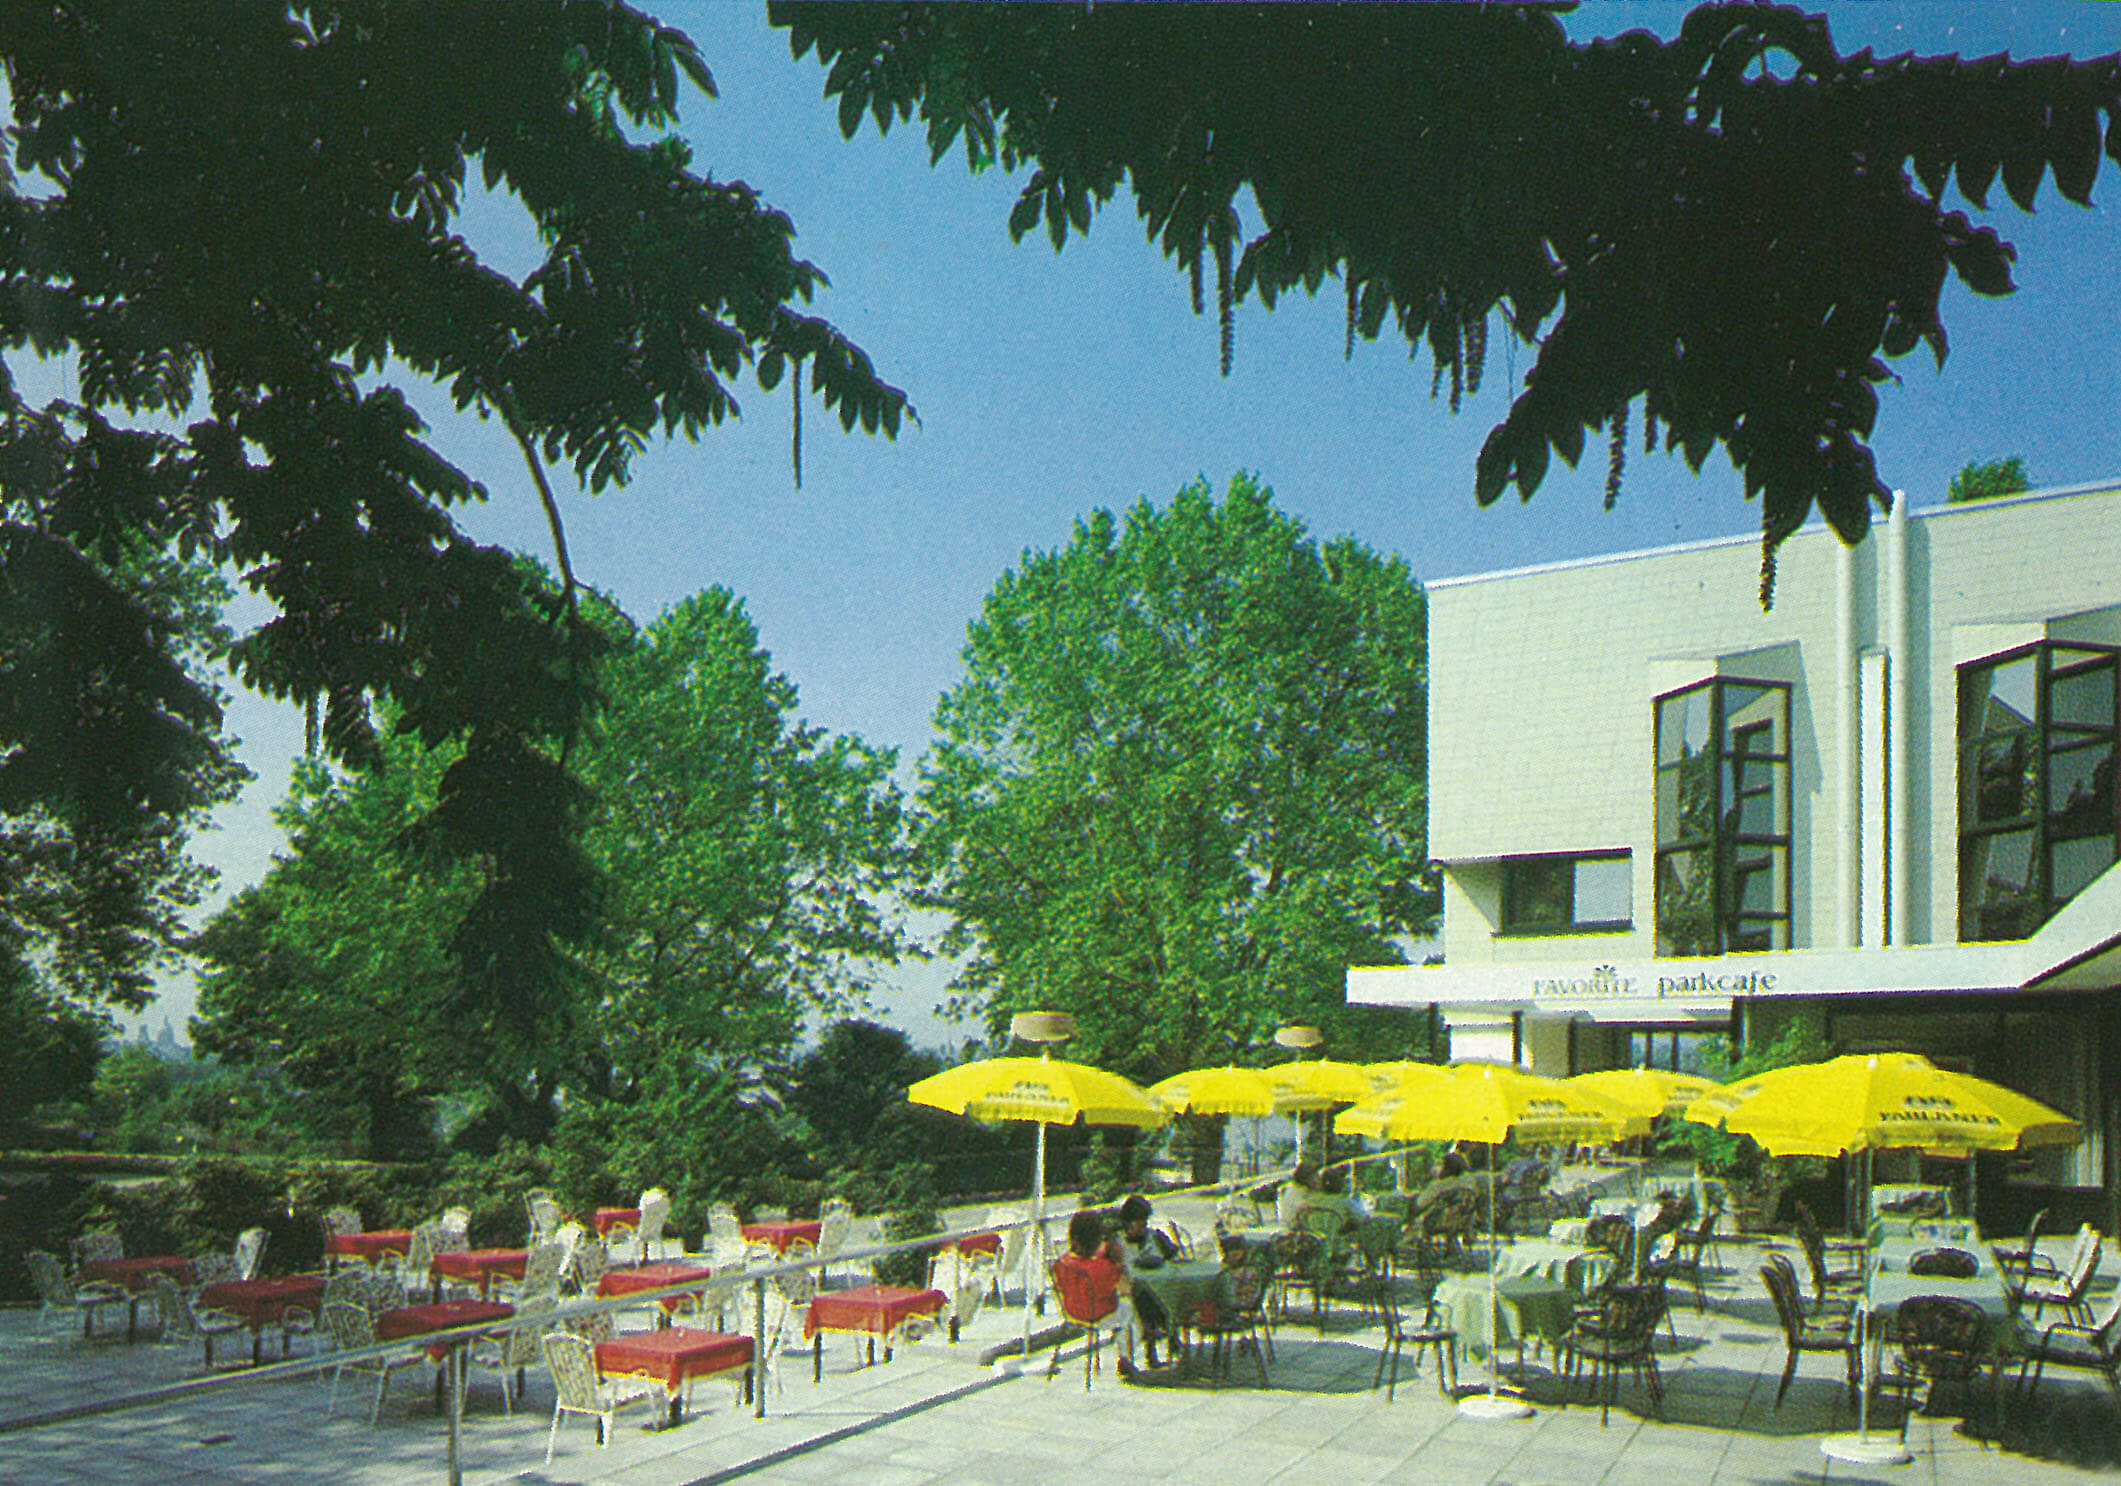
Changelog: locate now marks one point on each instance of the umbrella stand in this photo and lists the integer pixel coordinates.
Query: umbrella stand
(1493, 1404)
(1859, 1448)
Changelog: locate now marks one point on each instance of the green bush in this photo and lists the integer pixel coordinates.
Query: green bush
(909, 1191)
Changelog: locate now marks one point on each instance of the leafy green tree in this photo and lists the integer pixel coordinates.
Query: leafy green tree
(1182, 784)
(241, 223)
(1978, 481)
(742, 856)
(1733, 228)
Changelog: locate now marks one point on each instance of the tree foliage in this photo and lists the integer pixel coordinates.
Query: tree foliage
(742, 857)
(241, 223)
(1979, 481)
(1736, 228)
(1182, 784)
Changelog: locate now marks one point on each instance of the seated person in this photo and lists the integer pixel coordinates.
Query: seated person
(1297, 1193)
(1333, 1192)
(1450, 1176)
(1142, 1248)
(1093, 1268)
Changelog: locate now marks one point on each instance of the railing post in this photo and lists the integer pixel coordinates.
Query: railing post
(758, 1349)
(453, 1372)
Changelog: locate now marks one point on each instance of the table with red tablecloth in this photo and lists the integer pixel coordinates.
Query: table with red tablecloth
(262, 1303)
(879, 1312)
(980, 1243)
(132, 1276)
(445, 1315)
(370, 1246)
(476, 1267)
(674, 1356)
(607, 1218)
(783, 1234)
(658, 1276)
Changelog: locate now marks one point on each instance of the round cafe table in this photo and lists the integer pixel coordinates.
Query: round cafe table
(1525, 1306)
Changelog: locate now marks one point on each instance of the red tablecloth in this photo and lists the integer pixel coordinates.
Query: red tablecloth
(674, 1354)
(262, 1303)
(478, 1266)
(783, 1233)
(879, 1310)
(368, 1247)
(980, 1243)
(133, 1274)
(418, 1320)
(652, 1277)
(608, 1218)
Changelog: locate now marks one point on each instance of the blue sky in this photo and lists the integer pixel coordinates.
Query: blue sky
(1052, 384)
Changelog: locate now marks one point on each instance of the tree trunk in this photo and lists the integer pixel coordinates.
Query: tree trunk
(1204, 1144)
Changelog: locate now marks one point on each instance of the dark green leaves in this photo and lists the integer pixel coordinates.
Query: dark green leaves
(1731, 226)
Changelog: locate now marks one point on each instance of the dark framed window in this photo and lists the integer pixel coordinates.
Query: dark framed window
(1723, 817)
(2037, 808)
(1587, 894)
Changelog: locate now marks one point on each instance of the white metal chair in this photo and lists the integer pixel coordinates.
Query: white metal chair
(581, 1388)
(62, 1298)
(453, 1230)
(1015, 1259)
(835, 1224)
(353, 1329)
(655, 1212)
(507, 1353)
(250, 1252)
(544, 1213)
(964, 1280)
(543, 1269)
(726, 1248)
(90, 1248)
(182, 1324)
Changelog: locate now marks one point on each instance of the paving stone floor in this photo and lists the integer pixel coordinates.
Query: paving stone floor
(935, 1414)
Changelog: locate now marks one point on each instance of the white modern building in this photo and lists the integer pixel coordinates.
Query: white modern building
(1663, 813)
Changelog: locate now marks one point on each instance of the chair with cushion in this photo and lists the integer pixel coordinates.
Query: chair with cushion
(1804, 1333)
(2066, 1343)
(1082, 1310)
(353, 1329)
(183, 1324)
(580, 1387)
(64, 1299)
(2068, 1289)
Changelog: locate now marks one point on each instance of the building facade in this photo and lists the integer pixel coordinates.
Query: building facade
(1663, 814)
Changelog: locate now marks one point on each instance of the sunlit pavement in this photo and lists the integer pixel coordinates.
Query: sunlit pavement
(934, 1413)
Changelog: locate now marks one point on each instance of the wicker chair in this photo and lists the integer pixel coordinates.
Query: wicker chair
(213, 1268)
(1937, 1339)
(1622, 1334)
(353, 1329)
(588, 1267)
(580, 1387)
(61, 1297)
(1804, 1333)
(543, 1269)
(183, 1324)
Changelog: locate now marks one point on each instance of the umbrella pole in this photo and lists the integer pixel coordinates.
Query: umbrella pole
(1859, 1448)
(1038, 1234)
(1493, 1404)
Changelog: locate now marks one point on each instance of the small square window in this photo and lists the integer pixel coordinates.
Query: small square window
(1566, 894)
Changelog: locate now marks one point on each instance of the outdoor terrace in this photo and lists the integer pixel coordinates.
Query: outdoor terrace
(936, 1413)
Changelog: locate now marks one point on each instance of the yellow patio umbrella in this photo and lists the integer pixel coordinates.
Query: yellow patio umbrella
(1646, 1093)
(1300, 1088)
(1879, 1101)
(1487, 1102)
(1045, 1091)
(1217, 1091)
